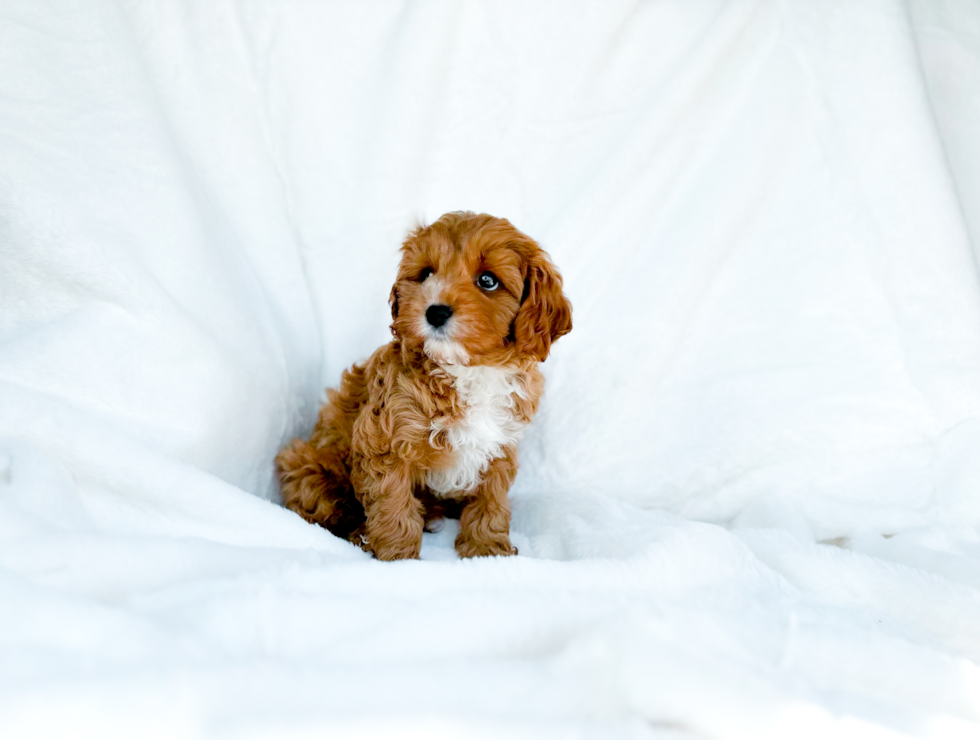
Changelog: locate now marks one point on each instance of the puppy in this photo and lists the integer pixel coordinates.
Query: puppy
(428, 427)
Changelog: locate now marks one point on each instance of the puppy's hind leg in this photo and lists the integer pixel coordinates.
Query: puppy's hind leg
(316, 485)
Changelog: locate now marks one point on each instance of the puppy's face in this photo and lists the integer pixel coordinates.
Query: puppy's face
(474, 290)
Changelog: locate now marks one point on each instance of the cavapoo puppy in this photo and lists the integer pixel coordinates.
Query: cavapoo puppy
(428, 427)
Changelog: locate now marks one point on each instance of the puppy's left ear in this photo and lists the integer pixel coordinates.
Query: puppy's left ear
(545, 312)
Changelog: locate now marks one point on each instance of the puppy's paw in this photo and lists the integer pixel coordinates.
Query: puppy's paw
(395, 551)
(468, 548)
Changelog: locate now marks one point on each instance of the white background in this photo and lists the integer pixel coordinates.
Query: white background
(750, 505)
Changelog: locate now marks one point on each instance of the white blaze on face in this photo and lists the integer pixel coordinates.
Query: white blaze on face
(439, 344)
(487, 427)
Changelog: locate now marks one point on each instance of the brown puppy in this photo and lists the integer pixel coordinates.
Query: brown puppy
(429, 425)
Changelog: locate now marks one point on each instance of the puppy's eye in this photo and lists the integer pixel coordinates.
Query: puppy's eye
(488, 281)
(425, 274)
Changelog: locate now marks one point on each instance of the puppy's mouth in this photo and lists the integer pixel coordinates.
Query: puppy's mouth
(436, 329)
(438, 332)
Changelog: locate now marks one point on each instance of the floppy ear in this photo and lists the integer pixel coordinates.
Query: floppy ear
(545, 314)
(393, 302)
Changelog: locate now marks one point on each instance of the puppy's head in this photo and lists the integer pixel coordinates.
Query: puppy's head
(473, 290)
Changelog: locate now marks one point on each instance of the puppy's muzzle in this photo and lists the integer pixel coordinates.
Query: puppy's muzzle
(438, 314)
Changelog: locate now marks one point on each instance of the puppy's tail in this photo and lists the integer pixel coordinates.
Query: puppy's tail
(316, 485)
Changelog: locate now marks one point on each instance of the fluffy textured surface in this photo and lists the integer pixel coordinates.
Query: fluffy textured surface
(748, 505)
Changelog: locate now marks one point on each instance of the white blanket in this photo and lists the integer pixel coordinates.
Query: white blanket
(750, 504)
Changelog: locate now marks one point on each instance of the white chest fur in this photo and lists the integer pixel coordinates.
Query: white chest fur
(486, 395)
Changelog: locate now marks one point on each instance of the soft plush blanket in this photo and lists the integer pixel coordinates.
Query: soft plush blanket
(750, 504)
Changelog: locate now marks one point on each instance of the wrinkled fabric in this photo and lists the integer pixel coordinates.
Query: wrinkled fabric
(749, 504)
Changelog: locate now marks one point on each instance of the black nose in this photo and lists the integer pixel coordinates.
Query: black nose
(438, 315)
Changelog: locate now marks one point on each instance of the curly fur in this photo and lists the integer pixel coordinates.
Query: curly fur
(429, 425)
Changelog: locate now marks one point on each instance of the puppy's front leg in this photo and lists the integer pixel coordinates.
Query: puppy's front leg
(484, 525)
(394, 515)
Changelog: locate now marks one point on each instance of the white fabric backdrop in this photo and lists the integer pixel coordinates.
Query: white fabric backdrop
(749, 506)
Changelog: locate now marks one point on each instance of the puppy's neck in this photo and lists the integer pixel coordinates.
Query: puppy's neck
(416, 357)
(484, 380)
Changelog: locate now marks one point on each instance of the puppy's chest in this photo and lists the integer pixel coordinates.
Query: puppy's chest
(487, 425)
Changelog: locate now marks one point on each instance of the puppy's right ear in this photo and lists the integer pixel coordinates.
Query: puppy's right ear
(393, 302)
